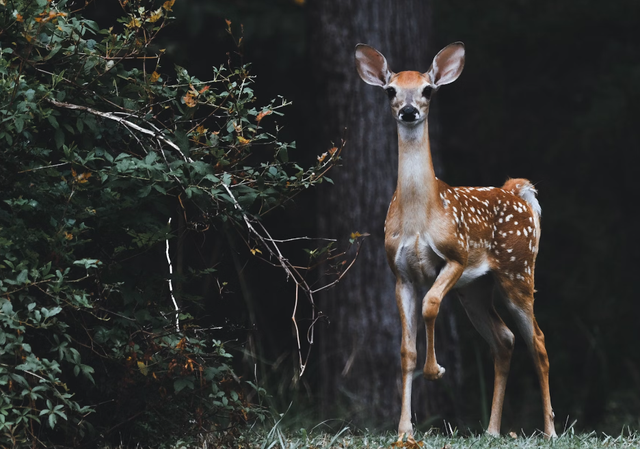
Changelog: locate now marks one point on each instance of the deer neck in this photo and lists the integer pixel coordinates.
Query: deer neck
(417, 189)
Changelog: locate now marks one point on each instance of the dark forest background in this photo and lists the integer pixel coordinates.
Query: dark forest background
(550, 92)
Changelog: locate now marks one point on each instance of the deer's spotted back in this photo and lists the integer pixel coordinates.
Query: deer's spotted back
(494, 226)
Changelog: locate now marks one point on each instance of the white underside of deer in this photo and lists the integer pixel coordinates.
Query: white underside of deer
(472, 239)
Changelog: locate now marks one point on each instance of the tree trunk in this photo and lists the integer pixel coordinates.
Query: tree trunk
(360, 348)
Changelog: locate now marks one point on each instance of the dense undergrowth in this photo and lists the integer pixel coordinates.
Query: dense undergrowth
(110, 168)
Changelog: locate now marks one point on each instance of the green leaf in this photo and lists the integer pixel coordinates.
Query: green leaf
(182, 383)
(59, 138)
(53, 121)
(23, 277)
(143, 192)
(93, 26)
(87, 263)
(19, 123)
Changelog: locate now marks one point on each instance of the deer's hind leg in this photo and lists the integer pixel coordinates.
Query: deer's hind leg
(518, 296)
(477, 299)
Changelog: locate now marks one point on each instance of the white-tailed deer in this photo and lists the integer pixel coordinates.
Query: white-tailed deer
(475, 239)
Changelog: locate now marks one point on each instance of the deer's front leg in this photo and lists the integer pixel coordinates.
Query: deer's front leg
(445, 281)
(406, 298)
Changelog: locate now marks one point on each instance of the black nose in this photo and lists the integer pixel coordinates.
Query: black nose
(408, 114)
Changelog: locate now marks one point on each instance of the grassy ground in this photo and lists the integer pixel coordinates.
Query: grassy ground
(346, 438)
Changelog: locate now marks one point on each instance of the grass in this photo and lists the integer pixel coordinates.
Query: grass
(277, 438)
(327, 435)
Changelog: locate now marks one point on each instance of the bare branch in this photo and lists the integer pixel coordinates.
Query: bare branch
(115, 116)
(170, 282)
(43, 167)
(270, 244)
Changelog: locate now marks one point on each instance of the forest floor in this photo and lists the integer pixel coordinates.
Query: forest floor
(276, 438)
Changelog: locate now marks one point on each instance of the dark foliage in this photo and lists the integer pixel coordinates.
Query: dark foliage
(110, 172)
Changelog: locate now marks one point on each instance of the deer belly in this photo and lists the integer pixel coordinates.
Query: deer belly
(416, 261)
(474, 270)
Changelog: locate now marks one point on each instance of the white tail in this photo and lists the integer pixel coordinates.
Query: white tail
(475, 239)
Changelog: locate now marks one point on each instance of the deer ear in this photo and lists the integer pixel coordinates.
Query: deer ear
(372, 66)
(447, 65)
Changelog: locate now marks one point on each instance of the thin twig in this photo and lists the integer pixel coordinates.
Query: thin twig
(270, 244)
(44, 166)
(170, 282)
(294, 239)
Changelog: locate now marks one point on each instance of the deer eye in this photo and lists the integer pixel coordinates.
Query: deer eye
(426, 93)
(391, 93)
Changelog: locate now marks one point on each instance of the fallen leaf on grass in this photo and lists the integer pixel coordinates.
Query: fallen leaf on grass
(411, 443)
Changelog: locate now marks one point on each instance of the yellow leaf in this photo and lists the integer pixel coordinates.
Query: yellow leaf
(143, 368)
(168, 4)
(254, 251)
(156, 15)
(19, 18)
(262, 115)
(322, 157)
(411, 443)
(134, 23)
(80, 178)
(155, 76)
(68, 236)
(355, 235)
(83, 177)
(243, 141)
(190, 99)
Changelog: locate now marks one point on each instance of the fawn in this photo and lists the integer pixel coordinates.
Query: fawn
(476, 240)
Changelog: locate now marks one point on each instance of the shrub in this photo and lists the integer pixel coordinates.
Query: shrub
(105, 164)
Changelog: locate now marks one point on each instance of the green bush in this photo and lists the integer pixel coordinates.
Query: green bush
(104, 163)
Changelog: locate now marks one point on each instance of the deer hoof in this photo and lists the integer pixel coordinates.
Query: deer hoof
(434, 374)
(405, 430)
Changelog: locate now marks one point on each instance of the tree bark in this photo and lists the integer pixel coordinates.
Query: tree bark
(360, 348)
